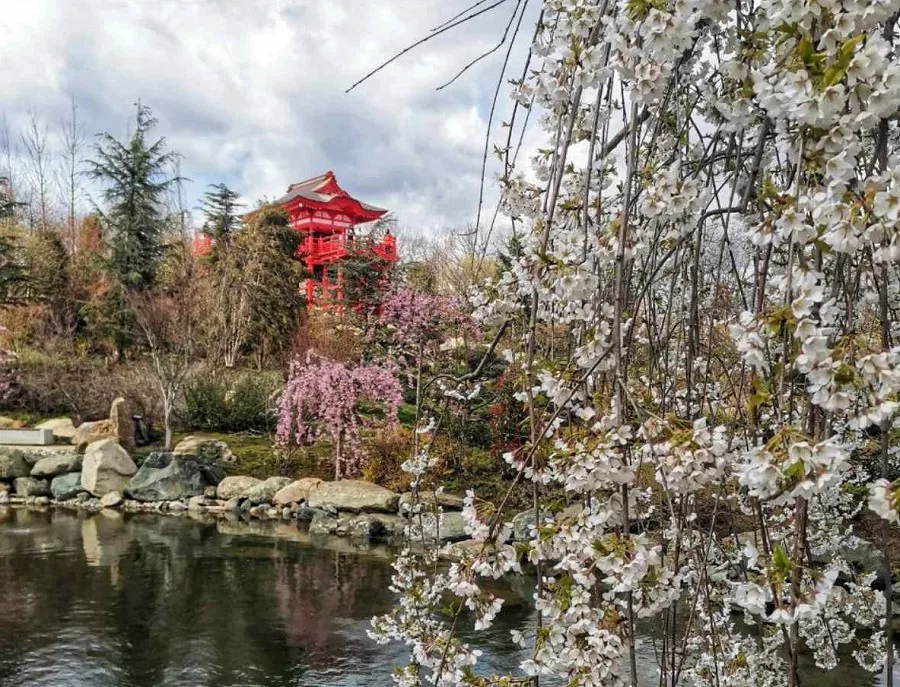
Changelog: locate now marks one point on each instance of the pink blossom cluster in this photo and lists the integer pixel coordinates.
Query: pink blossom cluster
(416, 318)
(325, 398)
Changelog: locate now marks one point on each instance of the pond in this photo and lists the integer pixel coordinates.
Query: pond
(139, 600)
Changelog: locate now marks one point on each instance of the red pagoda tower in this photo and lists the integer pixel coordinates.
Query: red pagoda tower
(326, 215)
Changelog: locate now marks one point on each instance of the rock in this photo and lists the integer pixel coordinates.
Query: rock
(42, 501)
(65, 487)
(210, 492)
(62, 427)
(469, 548)
(296, 492)
(265, 491)
(12, 464)
(429, 501)
(354, 496)
(376, 526)
(196, 503)
(106, 467)
(112, 499)
(118, 426)
(323, 524)
(304, 514)
(364, 527)
(255, 511)
(4, 497)
(232, 505)
(29, 486)
(522, 524)
(176, 506)
(89, 432)
(167, 477)
(230, 487)
(57, 464)
(213, 454)
(286, 513)
(451, 527)
(121, 423)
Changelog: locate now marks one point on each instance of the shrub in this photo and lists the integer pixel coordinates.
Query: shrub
(385, 452)
(243, 403)
(83, 388)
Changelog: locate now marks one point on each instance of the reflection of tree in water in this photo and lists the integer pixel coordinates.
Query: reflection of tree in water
(196, 614)
(321, 593)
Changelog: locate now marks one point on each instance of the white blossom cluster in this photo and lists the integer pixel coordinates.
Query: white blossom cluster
(724, 270)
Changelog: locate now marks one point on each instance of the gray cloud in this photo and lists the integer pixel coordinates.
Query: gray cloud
(251, 92)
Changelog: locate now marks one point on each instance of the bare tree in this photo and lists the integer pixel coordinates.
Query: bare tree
(35, 139)
(168, 318)
(8, 170)
(70, 174)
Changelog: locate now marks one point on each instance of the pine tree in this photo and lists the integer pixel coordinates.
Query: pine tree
(136, 176)
(220, 206)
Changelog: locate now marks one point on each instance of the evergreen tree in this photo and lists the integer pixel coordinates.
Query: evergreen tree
(219, 205)
(136, 176)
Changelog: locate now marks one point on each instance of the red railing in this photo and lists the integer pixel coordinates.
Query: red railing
(323, 250)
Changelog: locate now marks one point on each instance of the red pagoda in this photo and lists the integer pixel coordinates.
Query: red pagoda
(326, 215)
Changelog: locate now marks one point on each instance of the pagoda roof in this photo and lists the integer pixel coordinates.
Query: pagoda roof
(323, 191)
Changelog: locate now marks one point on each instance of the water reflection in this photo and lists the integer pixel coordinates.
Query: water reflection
(140, 600)
(116, 599)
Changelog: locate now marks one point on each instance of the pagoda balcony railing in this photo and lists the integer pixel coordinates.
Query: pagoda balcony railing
(323, 250)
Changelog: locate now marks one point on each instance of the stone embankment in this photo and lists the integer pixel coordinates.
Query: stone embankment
(98, 473)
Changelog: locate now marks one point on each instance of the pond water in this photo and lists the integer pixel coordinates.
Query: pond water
(139, 600)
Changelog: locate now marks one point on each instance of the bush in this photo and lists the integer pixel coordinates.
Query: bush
(83, 388)
(385, 451)
(244, 403)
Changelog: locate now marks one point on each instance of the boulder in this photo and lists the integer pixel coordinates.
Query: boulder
(450, 527)
(210, 451)
(354, 496)
(90, 432)
(106, 467)
(113, 499)
(469, 548)
(323, 524)
(29, 486)
(118, 426)
(12, 464)
(265, 491)
(57, 464)
(121, 423)
(62, 427)
(234, 487)
(232, 505)
(522, 525)
(65, 487)
(430, 501)
(167, 477)
(296, 492)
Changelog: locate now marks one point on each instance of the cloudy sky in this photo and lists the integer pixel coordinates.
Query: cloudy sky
(251, 92)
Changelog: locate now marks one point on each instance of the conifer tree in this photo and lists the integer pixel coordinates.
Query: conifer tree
(220, 205)
(136, 177)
